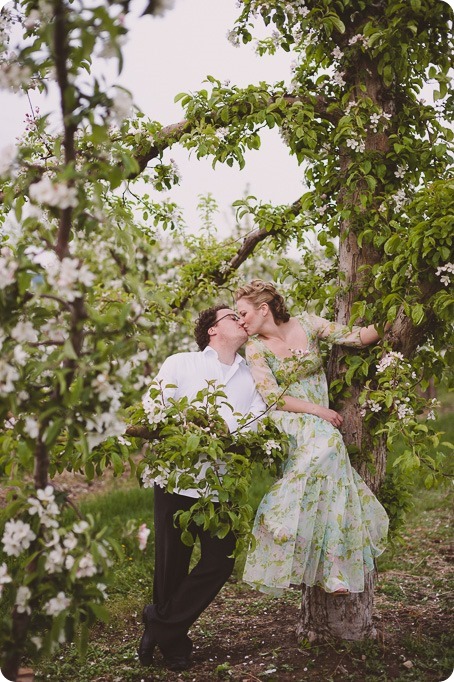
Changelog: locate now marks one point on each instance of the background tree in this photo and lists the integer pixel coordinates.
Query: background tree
(88, 293)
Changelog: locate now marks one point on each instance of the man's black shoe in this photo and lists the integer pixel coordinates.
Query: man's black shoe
(177, 662)
(147, 643)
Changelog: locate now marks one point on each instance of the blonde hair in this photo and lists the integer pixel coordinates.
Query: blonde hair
(258, 292)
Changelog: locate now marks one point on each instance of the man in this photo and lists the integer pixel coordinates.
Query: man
(180, 597)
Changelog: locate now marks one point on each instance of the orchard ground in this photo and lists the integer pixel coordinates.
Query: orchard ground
(245, 636)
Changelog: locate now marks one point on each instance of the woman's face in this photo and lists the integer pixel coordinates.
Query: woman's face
(252, 318)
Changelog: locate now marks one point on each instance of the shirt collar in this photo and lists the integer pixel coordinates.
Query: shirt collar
(208, 350)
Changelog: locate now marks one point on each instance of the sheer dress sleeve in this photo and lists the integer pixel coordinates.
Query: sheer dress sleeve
(336, 333)
(263, 375)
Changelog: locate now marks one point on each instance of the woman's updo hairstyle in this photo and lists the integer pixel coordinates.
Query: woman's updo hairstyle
(258, 292)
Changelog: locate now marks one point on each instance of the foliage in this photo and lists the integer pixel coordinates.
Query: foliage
(192, 448)
(98, 279)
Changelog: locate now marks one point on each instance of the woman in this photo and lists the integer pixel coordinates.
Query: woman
(319, 524)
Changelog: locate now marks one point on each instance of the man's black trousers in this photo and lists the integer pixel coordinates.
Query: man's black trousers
(179, 597)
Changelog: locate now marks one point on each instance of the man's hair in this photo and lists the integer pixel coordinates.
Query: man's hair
(206, 319)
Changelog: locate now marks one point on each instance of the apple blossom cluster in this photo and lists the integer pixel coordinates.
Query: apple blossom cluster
(376, 119)
(271, 445)
(14, 76)
(391, 358)
(8, 157)
(356, 145)
(17, 537)
(57, 604)
(404, 409)
(160, 477)
(5, 578)
(8, 267)
(445, 278)
(359, 38)
(371, 405)
(64, 275)
(122, 105)
(338, 78)
(103, 426)
(49, 193)
(233, 38)
(154, 408)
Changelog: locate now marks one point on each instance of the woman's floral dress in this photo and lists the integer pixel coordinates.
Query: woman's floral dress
(319, 524)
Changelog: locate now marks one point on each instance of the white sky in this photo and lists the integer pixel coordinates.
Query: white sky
(172, 54)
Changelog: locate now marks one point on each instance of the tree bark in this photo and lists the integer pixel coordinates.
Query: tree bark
(326, 616)
(350, 616)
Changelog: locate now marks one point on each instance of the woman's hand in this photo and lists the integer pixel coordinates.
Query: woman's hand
(330, 416)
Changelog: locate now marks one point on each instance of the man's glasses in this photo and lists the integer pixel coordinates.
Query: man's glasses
(232, 316)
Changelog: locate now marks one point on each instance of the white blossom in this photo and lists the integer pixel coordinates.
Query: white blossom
(37, 641)
(142, 536)
(31, 427)
(55, 560)
(8, 375)
(45, 507)
(271, 445)
(359, 38)
(122, 105)
(33, 20)
(391, 358)
(20, 355)
(87, 567)
(4, 577)
(57, 194)
(399, 199)
(233, 38)
(70, 541)
(400, 172)
(404, 410)
(103, 426)
(7, 158)
(149, 479)
(17, 536)
(24, 332)
(13, 75)
(448, 268)
(8, 267)
(22, 597)
(67, 275)
(337, 53)
(57, 604)
(338, 78)
(154, 408)
(80, 527)
(356, 145)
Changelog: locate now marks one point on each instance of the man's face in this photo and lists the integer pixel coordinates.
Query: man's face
(229, 329)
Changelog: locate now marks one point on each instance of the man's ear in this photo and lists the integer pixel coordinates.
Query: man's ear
(211, 331)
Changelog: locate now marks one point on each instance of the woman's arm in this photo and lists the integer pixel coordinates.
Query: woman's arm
(342, 334)
(271, 392)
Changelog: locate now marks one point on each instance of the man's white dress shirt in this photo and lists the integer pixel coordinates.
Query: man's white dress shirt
(190, 372)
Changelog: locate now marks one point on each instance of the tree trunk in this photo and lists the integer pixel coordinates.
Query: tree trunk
(324, 616)
(350, 616)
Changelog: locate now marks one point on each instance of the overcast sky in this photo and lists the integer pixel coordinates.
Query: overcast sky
(172, 54)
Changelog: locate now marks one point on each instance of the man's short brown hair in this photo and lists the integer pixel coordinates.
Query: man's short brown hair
(206, 319)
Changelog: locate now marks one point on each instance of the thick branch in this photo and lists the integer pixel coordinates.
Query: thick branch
(141, 432)
(172, 133)
(61, 50)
